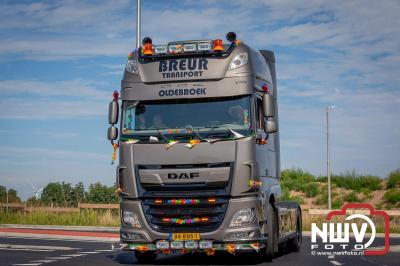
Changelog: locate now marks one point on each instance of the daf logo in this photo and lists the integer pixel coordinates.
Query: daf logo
(182, 175)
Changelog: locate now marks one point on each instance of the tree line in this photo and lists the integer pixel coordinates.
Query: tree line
(63, 194)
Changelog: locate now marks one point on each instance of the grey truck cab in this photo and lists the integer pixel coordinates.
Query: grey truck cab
(199, 162)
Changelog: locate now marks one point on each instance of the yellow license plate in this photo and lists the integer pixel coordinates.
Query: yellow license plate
(185, 236)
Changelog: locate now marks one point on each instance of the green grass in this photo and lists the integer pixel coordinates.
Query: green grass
(393, 179)
(352, 197)
(355, 182)
(83, 218)
(392, 196)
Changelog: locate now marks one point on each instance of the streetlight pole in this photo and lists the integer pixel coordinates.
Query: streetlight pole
(7, 200)
(328, 157)
(138, 22)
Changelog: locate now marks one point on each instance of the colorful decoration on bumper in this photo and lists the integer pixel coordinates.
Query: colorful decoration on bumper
(210, 251)
(185, 220)
(255, 183)
(192, 143)
(171, 143)
(255, 246)
(231, 249)
(114, 155)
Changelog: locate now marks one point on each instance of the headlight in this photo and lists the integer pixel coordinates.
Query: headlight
(243, 217)
(238, 61)
(131, 219)
(131, 66)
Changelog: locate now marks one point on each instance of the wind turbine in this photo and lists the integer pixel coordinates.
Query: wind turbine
(36, 191)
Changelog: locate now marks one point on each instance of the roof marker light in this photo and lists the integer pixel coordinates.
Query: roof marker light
(218, 45)
(147, 46)
(205, 46)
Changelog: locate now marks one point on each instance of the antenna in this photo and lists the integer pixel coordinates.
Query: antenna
(138, 22)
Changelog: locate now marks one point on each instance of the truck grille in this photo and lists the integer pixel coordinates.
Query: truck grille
(182, 214)
(185, 208)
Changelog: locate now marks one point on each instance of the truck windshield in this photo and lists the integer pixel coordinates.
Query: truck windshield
(202, 114)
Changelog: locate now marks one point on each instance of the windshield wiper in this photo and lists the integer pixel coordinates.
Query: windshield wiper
(230, 131)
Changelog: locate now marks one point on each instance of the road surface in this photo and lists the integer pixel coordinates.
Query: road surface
(19, 250)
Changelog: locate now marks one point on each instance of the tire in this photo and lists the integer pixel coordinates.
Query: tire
(295, 243)
(272, 233)
(148, 257)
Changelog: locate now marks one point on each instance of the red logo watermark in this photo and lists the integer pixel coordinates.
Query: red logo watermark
(336, 235)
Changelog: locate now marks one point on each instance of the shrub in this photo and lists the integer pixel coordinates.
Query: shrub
(351, 197)
(296, 179)
(337, 203)
(392, 196)
(353, 181)
(286, 196)
(393, 179)
(311, 190)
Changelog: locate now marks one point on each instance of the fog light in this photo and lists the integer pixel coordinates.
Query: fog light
(243, 217)
(130, 218)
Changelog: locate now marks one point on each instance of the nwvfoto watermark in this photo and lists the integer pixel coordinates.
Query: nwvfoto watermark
(335, 236)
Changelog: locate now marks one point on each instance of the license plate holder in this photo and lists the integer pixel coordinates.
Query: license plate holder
(185, 236)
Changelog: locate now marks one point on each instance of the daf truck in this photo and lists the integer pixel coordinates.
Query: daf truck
(199, 154)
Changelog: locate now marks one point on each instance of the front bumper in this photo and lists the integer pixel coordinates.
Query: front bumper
(249, 237)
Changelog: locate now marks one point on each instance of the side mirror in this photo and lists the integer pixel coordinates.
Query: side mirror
(270, 126)
(112, 133)
(113, 110)
(268, 105)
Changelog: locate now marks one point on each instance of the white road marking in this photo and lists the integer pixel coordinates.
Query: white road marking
(25, 249)
(88, 252)
(35, 247)
(393, 248)
(57, 258)
(104, 250)
(27, 264)
(73, 255)
(334, 262)
(43, 261)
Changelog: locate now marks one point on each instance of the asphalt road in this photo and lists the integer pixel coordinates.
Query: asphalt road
(23, 251)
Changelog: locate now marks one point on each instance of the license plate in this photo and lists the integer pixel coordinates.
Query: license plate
(185, 236)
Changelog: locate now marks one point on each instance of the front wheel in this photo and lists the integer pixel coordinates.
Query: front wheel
(272, 228)
(148, 257)
(295, 243)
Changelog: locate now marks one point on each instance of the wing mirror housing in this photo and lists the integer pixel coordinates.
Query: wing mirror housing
(113, 112)
(112, 133)
(268, 105)
(270, 126)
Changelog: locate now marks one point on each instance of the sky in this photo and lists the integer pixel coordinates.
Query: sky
(60, 61)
